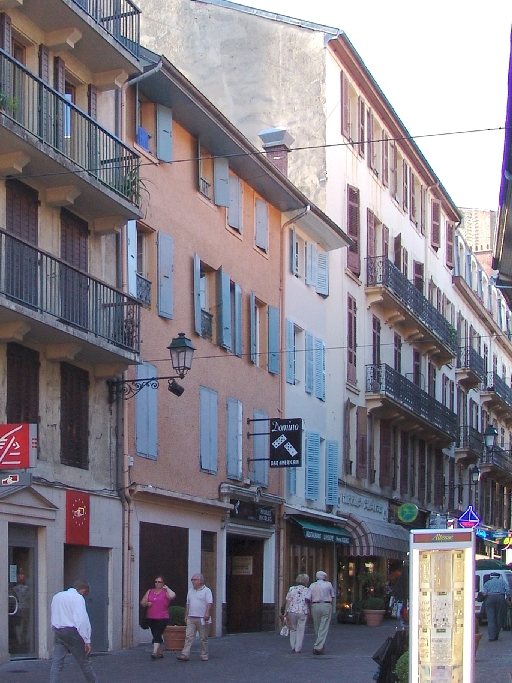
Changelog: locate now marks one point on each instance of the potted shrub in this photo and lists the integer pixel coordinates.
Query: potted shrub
(174, 634)
(402, 668)
(374, 611)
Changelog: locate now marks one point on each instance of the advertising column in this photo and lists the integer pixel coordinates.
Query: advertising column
(442, 612)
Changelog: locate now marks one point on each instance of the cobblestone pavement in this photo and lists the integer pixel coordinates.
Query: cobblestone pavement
(258, 658)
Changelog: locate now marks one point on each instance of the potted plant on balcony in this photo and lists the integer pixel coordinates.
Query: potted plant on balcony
(374, 611)
(174, 634)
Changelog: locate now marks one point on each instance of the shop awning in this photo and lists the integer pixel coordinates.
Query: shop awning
(328, 533)
(377, 537)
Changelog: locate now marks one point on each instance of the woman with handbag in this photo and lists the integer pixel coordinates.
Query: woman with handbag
(157, 601)
(297, 610)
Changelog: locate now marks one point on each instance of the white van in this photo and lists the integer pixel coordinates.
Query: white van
(481, 576)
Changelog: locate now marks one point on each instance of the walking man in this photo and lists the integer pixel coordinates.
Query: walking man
(72, 629)
(498, 594)
(197, 617)
(322, 595)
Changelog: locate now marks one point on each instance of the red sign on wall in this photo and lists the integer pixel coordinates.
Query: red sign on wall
(18, 446)
(78, 516)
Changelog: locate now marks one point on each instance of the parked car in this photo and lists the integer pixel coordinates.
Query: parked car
(481, 576)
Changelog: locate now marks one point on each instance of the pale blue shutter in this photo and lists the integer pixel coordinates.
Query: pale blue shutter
(235, 203)
(254, 331)
(208, 431)
(164, 133)
(131, 252)
(224, 333)
(197, 294)
(480, 283)
(290, 351)
(322, 275)
(320, 369)
(312, 465)
(311, 264)
(233, 439)
(261, 449)
(456, 270)
(165, 275)
(310, 364)
(261, 224)
(221, 181)
(146, 415)
(331, 472)
(273, 340)
(293, 252)
(291, 481)
(238, 320)
(499, 311)
(469, 274)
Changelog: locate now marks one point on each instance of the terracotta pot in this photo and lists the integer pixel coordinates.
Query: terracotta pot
(374, 617)
(174, 637)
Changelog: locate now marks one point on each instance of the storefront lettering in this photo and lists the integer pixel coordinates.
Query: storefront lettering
(284, 427)
(360, 501)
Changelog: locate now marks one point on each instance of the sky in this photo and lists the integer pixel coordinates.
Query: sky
(443, 66)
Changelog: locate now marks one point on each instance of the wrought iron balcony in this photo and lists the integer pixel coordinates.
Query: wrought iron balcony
(120, 18)
(471, 366)
(469, 444)
(405, 305)
(496, 394)
(46, 114)
(497, 462)
(43, 284)
(396, 391)
(143, 290)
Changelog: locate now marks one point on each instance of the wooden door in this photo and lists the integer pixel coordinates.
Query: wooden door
(244, 584)
(21, 257)
(74, 283)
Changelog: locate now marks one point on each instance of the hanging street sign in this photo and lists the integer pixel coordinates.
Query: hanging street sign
(18, 446)
(469, 519)
(286, 442)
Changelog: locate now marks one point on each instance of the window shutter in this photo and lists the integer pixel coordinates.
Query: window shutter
(397, 246)
(435, 234)
(290, 351)
(74, 418)
(238, 320)
(273, 340)
(412, 203)
(310, 364)
(5, 34)
(262, 224)
(59, 75)
(345, 106)
(320, 369)
(235, 203)
(253, 329)
(405, 261)
(293, 252)
(165, 275)
(22, 384)
(291, 481)
(92, 101)
(385, 454)
(331, 473)
(163, 133)
(370, 143)
(385, 159)
(405, 185)
(221, 181)
(233, 439)
(351, 339)
(197, 294)
(371, 233)
(312, 465)
(362, 443)
(131, 254)
(353, 259)
(450, 237)
(419, 278)
(423, 205)
(224, 334)
(311, 263)
(362, 126)
(208, 431)
(322, 279)
(261, 448)
(146, 415)
(385, 241)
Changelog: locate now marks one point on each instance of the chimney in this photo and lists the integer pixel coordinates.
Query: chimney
(277, 142)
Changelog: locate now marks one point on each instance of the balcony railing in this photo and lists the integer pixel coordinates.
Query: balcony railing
(498, 457)
(42, 283)
(120, 18)
(470, 438)
(500, 388)
(382, 379)
(143, 290)
(469, 358)
(381, 272)
(49, 116)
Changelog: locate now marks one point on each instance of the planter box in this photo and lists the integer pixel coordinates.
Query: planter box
(174, 637)
(374, 617)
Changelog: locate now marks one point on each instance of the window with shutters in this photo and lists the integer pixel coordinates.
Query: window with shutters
(261, 224)
(385, 453)
(331, 472)
(297, 254)
(397, 251)
(375, 153)
(371, 230)
(235, 208)
(414, 197)
(393, 170)
(422, 469)
(205, 298)
(349, 101)
(264, 334)
(450, 243)
(309, 363)
(320, 369)
(385, 158)
(361, 118)
(21, 220)
(404, 463)
(435, 225)
(165, 269)
(146, 414)
(353, 226)
(419, 276)
(417, 376)
(362, 443)
(397, 348)
(146, 124)
(22, 401)
(73, 282)
(351, 340)
(438, 477)
(423, 209)
(376, 330)
(205, 171)
(233, 439)
(74, 416)
(208, 430)
(312, 491)
(385, 241)
(405, 185)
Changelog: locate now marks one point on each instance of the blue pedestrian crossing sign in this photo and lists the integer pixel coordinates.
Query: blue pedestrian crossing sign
(469, 519)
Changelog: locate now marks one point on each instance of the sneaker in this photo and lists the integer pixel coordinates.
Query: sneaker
(204, 658)
(182, 658)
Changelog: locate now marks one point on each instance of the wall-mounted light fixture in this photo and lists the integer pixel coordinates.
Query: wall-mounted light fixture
(182, 355)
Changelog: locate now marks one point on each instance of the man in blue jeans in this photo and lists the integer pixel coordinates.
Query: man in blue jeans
(72, 629)
(498, 594)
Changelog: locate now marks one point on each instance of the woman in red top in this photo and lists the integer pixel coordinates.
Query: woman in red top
(157, 600)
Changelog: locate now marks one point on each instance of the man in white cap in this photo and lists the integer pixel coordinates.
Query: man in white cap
(322, 596)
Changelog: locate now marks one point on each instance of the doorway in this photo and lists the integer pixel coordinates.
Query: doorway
(244, 584)
(22, 572)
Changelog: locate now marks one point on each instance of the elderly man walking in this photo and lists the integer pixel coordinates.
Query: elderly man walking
(497, 593)
(322, 595)
(197, 617)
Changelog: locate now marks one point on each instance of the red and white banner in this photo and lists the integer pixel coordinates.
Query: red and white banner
(18, 446)
(78, 517)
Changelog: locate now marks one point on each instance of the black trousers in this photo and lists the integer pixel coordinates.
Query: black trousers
(157, 627)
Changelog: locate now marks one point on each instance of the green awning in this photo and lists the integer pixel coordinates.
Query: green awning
(328, 533)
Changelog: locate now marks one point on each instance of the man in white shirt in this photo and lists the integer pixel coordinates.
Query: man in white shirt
(322, 596)
(72, 629)
(197, 617)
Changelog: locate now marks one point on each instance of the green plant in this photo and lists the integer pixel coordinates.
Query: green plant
(8, 102)
(176, 615)
(373, 603)
(372, 583)
(402, 668)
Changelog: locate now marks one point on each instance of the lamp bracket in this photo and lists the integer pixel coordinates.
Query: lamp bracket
(128, 388)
